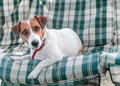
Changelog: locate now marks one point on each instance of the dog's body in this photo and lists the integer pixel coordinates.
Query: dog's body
(59, 43)
(45, 44)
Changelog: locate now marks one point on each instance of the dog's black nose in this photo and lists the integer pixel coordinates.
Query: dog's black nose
(35, 43)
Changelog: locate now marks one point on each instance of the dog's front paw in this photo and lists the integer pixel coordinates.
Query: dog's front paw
(32, 75)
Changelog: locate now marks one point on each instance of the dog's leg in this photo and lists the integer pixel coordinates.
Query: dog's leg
(18, 58)
(40, 66)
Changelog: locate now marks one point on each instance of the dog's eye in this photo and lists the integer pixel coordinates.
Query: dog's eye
(24, 32)
(37, 28)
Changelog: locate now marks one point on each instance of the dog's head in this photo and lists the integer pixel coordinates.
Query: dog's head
(31, 31)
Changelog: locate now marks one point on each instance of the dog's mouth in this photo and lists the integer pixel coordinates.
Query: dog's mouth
(34, 48)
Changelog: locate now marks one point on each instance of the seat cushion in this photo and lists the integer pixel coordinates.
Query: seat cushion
(76, 69)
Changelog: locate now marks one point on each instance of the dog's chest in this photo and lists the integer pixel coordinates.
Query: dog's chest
(40, 55)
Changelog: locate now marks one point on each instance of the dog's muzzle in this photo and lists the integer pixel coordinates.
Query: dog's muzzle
(35, 43)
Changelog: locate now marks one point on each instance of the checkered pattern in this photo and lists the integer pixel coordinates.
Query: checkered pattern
(113, 62)
(91, 19)
(95, 21)
(110, 58)
(70, 71)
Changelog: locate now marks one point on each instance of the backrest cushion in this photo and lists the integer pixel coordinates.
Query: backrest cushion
(91, 19)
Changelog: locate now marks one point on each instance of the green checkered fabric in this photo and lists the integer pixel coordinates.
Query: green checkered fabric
(110, 58)
(113, 62)
(67, 71)
(95, 21)
(91, 19)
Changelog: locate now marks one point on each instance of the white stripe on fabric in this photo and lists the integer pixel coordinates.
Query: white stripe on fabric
(33, 8)
(71, 14)
(78, 67)
(22, 73)
(65, 16)
(8, 7)
(69, 68)
(14, 72)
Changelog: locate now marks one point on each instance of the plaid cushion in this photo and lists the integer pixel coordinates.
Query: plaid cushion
(91, 19)
(72, 71)
(93, 82)
(110, 58)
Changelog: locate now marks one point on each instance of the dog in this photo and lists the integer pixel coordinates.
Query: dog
(47, 45)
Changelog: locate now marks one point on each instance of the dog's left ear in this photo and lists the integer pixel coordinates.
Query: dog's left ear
(16, 28)
(42, 20)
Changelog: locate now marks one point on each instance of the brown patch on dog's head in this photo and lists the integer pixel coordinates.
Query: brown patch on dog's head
(22, 28)
(38, 24)
(24, 31)
(16, 28)
(41, 20)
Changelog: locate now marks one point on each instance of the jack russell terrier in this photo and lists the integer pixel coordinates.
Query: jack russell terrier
(46, 45)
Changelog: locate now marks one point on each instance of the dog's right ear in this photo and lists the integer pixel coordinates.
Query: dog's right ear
(16, 28)
(42, 20)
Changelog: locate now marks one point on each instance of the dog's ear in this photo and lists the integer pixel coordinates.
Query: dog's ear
(42, 20)
(16, 28)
